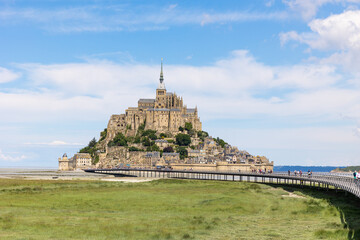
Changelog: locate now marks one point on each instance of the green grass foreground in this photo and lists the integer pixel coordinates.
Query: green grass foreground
(172, 209)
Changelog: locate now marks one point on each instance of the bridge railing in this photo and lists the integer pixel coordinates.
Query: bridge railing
(338, 181)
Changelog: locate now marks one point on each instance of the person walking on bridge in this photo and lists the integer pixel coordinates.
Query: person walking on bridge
(355, 175)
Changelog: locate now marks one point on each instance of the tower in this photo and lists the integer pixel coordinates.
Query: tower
(64, 164)
(161, 91)
(161, 84)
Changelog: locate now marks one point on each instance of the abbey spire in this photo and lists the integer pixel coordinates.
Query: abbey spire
(162, 84)
(161, 72)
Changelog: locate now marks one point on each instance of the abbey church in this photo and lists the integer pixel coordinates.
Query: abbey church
(166, 113)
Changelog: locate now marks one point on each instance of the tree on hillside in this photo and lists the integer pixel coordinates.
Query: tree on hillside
(168, 149)
(91, 149)
(150, 133)
(153, 148)
(221, 142)
(182, 152)
(183, 139)
(92, 143)
(119, 140)
(135, 149)
(103, 135)
(188, 126)
(202, 135)
(137, 139)
(146, 141)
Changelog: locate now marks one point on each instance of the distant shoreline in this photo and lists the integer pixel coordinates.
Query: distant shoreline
(285, 168)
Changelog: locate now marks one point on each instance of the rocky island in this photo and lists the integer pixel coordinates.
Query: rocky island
(162, 133)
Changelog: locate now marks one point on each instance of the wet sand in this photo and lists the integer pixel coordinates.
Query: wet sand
(51, 174)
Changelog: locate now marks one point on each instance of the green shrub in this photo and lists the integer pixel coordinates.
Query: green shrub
(183, 152)
(188, 126)
(183, 139)
(137, 139)
(103, 135)
(148, 132)
(153, 148)
(119, 140)
(168, 149)
(135, 149)
(91, 149)
(202, 135)
(146, 141)
(95, 160)
(221, 142)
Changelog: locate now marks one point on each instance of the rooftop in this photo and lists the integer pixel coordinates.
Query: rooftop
(146, 100)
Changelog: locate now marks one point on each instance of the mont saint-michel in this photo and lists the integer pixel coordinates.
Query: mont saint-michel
(162, 132)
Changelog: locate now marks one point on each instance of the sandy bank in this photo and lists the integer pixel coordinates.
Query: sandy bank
(50, 174)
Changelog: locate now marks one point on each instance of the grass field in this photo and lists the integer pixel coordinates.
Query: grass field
(172, 209)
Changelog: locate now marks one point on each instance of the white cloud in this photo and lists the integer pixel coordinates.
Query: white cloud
(9, 158)
(306, 76)
(339, 33)
(290, 36)
(56, 143)
(309, 8)
(357, 132)
(309, 138)
(7, 76)
(208, 18)
(228, 76)
(336, 32)
(94, 90)
(317, 145)
(126, 18)
(269, 3)
(172, 6)
(236, 87)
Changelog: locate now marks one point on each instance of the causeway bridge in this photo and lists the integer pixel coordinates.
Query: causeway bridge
(346, 183)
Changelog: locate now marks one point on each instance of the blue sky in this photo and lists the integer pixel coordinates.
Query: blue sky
(278, 78)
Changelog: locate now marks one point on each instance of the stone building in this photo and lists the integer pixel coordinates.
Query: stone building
(65, 164)
(152, 158)
(165, 114)
(78, 161)
(82, 160)
(171, 157)
(161, 143)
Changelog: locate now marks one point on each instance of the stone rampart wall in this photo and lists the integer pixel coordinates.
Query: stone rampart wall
(224, 167)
